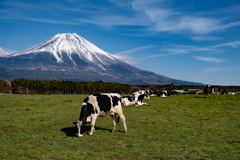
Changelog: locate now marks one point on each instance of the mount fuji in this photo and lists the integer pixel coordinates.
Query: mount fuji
(68, 56)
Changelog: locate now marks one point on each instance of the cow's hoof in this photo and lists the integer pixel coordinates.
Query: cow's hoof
(80, 136)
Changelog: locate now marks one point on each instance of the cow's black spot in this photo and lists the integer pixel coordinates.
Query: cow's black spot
(86, 100)
(140, 98)
(104, 102)
(90, 106)
(159, 93)
(86, 111)
(115, 100)
(96, 111)
(130, 98)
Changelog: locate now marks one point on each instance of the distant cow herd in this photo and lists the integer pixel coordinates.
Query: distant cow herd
(103, 104)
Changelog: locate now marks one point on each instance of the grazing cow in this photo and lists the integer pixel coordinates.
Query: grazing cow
(100, 105)
(164, 94)
(209, 89)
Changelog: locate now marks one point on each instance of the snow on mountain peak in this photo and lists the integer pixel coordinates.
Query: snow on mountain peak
(69, 43)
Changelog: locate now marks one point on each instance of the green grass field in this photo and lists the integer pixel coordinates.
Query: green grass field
(177, 127)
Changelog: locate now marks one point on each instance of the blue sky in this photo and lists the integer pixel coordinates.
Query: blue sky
(191, 40)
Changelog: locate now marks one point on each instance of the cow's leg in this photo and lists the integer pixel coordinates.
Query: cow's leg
(94, 117)
(123, 120)
(114, 118)
(138, 103)
(213, 92)
(206, 95)
(132, 103)
(145, 104)
(79, 124)
(213, 95)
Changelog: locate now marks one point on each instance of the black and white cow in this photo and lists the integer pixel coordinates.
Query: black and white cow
(138, 98)
(208, 89)
(153, 93)
(142, 92)
(163, 94)
(128, 101)
(100, 105)
(135, 99)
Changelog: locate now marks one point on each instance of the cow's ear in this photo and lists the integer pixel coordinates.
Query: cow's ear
(75, 123)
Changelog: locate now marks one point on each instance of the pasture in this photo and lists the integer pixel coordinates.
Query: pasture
(177, 127)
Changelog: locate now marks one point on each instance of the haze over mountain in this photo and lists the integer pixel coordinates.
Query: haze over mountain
(68, 56)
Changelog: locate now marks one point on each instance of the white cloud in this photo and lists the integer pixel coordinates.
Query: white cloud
(189, 48)
(193, 24)
(229, 25)
(205, 38)
(5, 52)
(124, 55)
(231, 44)
(160, 55)
(126, 58)
(182, 49)
(164, 18)
(116, 20)
(155, 15)
(209, 59)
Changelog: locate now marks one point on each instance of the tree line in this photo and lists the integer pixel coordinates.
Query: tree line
(24, 86)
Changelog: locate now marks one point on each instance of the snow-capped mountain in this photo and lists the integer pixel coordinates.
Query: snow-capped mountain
(71, 45)
(68, 56)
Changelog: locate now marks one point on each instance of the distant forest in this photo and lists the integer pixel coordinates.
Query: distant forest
(24, 86)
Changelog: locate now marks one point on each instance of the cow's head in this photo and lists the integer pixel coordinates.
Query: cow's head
(80, 125)
(165, 93)
(148, 92)
(146, 96)
(84, 117)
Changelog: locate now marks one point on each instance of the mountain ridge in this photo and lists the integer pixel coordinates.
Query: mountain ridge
(68, 56)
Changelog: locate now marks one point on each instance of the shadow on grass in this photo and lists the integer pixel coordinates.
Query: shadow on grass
(72, 131)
